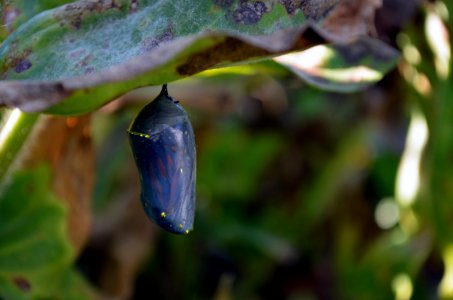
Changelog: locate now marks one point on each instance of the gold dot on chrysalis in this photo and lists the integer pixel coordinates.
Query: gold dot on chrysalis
(187, 231)
(180, 226)
(163, 215)
(143, 135)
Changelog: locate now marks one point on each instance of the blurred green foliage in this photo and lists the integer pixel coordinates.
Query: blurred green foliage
(285, 200)
(35, 254)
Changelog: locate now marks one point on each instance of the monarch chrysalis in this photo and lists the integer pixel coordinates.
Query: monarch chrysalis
(163, 144)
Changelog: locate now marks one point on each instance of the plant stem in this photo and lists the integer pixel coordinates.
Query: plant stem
(15, 128)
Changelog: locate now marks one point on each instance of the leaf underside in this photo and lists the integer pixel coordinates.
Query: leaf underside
(89, 52)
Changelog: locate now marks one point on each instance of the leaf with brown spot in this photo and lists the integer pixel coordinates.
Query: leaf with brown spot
(33, 241)
(16, 12)
(84, 54)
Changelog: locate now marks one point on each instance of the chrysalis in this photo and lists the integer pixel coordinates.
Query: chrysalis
(163, 145)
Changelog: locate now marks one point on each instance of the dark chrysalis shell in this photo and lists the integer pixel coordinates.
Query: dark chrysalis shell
(163, 144)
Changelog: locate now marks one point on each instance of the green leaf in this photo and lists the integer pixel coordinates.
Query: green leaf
(89, 52)
(23, 10)
(34, 247)
(15, 12)
(72, 286)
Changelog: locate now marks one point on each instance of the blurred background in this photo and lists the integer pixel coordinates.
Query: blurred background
(301, 193)
(295, 193)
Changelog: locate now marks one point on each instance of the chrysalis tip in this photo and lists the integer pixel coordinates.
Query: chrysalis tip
(164, 90)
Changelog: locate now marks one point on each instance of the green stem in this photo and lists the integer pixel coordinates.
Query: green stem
(15, 128)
